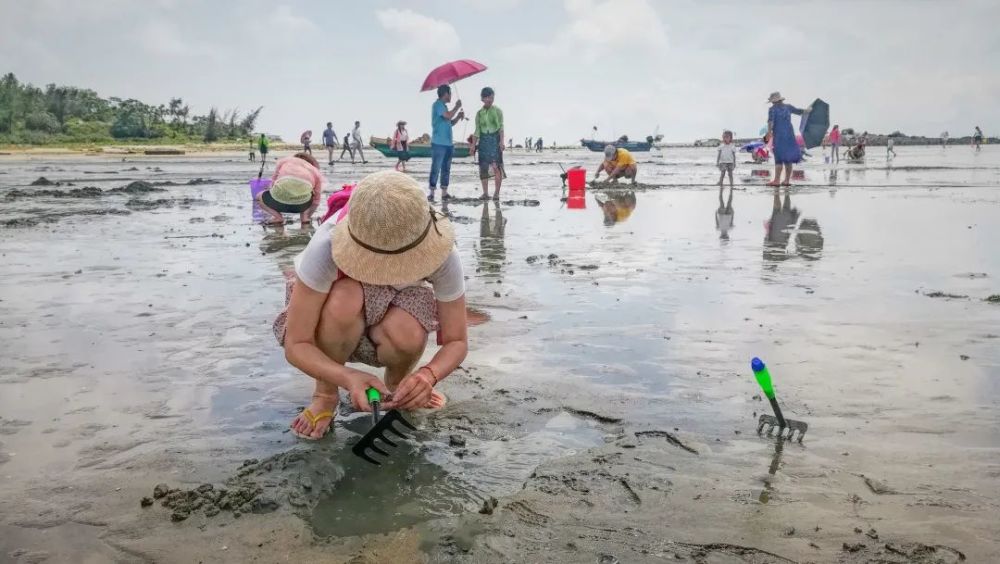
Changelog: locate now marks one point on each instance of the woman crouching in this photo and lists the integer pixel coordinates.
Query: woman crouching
(375, 280)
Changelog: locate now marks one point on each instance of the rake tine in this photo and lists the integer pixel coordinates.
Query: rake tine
(365, 456)
(377, 449)
(396, 432)
(386, 441)
(406, 424)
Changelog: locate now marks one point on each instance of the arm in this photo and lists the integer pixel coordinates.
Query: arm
(718, 156)
(600, 168)
(415, 390)
(795, 110)
(301, 350)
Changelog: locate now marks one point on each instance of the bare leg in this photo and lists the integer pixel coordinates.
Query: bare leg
(497, 181)
(399, 343)
(486, 187)
(776, 181)
(722, 175)
(337, 335)
(730, 183)
(361, 153)
(306, 216)
(788, 174)
(276, 218)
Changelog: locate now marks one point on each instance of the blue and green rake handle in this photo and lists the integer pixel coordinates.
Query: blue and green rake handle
(763, 377)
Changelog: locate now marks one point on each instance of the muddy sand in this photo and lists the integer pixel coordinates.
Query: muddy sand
(606, 412)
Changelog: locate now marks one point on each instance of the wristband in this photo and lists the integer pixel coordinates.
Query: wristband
(431, 370)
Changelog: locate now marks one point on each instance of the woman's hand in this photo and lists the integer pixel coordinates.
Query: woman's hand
(358, 388)
(413, 392)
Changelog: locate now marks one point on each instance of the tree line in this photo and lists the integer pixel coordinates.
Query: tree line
(66, 114)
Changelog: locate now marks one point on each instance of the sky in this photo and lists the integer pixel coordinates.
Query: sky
(685, 68)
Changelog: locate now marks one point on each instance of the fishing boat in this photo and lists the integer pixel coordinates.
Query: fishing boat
(623, 143)
(418, 150)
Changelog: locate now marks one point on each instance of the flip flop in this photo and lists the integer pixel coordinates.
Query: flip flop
(313, 420)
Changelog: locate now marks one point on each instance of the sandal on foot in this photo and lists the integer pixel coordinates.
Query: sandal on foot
(313, 420)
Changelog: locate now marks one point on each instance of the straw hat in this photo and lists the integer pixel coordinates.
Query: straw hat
(775, 97)
(391, 235)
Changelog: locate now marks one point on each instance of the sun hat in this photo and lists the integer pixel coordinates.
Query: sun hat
(775, 97)
(391, 236)
(610, 150)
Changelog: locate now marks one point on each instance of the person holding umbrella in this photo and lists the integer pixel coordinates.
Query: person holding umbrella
(488, 141)
(780, 130)
(442, 142)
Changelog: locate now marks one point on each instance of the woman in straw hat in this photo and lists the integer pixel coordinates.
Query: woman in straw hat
(780, 130)
(373, 282)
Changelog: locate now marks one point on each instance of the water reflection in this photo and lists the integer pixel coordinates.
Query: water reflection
(765, 494)
(492, 248)
(615, 206)
(785, 221)
(724, 214)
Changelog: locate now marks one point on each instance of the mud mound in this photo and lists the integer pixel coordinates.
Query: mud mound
(137, 187)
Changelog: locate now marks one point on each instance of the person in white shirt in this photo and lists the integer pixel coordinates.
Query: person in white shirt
(726, 159)
(356, 143)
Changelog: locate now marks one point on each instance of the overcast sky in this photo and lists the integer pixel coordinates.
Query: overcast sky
(558, 66)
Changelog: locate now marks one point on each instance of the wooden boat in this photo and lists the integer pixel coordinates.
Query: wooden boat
(622, 143)
(418, 150)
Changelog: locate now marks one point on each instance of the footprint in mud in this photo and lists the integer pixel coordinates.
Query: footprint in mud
(12, 426)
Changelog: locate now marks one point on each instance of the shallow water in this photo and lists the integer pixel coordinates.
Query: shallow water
(147, 336)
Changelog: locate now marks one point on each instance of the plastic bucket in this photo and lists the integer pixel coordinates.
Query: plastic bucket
(577, 178)
(258, 185)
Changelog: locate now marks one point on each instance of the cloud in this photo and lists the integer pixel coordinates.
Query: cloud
(164, 39)
(282, 19)
(597, 28)
(422, 40)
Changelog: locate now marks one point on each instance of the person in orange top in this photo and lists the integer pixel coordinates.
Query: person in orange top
(617, 163)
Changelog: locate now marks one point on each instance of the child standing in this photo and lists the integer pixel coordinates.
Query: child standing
(889, 144)
(253, 149)
(726, 159)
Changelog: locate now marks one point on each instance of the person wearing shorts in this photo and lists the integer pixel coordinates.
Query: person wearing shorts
(374, 281)
(726, 160)
(488, 142)
(295, 188)
(329, 141)
(618, 163)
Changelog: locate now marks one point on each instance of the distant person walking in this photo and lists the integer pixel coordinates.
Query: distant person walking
(977, 139)
(442, 143)
(400, 143)
(253, 149)
(889, 150)
(726, 160)
(347, 148)
(262, 146)
(488, 142)
(835, 144)
(539, 145)
(528, 145)
(356, 143)
(944, 139)
(329, 141)
(306, 140)
(779, 128)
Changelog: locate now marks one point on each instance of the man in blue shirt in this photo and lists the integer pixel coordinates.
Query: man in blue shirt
(442, 145)
(329, 140)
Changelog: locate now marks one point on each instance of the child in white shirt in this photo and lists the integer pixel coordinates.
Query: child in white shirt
(726, 159)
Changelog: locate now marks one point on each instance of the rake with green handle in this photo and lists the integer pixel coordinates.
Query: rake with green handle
(763, 377)
(379, 427)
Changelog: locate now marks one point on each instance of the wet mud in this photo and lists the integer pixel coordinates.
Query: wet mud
(606, 412)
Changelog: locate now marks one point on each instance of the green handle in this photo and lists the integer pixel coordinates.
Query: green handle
(373, 395)
(763, 377)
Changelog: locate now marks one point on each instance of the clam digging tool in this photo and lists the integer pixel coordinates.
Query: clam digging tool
(379, 427)
(763, 377)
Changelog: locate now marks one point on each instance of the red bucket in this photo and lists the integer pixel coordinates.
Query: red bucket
(577, 178)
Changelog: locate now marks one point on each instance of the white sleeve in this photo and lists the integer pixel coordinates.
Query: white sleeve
(449, 279)
(314, 266)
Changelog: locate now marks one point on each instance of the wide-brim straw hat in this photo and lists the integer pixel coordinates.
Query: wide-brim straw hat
(775, 97)
(391, 236)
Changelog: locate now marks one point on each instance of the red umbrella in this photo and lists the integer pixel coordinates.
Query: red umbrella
(451, 72)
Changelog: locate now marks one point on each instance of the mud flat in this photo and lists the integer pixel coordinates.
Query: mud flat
(606, 413)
